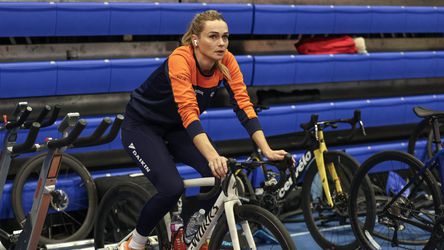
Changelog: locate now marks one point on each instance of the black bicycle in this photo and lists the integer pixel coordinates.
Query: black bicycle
(405, 207)
(324, 178)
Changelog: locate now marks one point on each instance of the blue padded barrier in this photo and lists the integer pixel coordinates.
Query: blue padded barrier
(352, 19)
(315, 19)
(439, 58)
(82, 19)
(388, 19)
(27, 79)
(128, 74)
(83, 77)
(440, 23)
(419, 64)
(279, 120)
(375, 112)
(246, 64)
(386, 66)
(269, 70)
(134, 18)
(222, 124)
(384, 111)
(354, 67)
(421, 19)
(239, 17)
(314, 68)
(345, 109)
(27, 19)
(175, 17)
(274, 19)
(363, 152)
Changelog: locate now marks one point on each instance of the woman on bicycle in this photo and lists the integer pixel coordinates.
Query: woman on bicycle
(162, 118)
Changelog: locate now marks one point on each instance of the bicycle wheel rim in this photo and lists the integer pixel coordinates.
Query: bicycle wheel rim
(267, 230)
(417, 205)
(118, 214)
(64, 222)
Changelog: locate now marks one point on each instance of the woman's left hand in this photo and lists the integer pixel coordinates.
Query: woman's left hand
(275, 155)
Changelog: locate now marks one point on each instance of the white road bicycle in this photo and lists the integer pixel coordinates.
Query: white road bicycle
(229, 225)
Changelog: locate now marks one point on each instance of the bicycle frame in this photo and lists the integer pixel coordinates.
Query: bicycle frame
(436, 161)
(224, 203)
(316, 153)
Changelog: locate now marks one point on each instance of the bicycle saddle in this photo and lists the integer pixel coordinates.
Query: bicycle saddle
(424, 112)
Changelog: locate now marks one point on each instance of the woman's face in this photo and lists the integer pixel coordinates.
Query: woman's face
(213, 41)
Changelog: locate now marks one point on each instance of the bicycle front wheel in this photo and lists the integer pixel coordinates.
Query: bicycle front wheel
(268, 232)
(329, 226)
(402, 219)
(74, 201)
(117, 216)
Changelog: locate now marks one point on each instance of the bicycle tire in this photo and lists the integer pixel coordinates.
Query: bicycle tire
(120, 207)
(329, 226)
(382, 230)
(77, 218)
(423, 130)
(258, 218)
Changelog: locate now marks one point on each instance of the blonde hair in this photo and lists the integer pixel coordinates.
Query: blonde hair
(196, 27)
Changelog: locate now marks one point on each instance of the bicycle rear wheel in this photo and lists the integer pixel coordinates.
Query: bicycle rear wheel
(330, 227)
(71, 212)
(267, 230)
(409, 220)
(118, 213)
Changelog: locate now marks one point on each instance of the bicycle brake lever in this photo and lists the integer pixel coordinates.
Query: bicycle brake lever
(361, 124)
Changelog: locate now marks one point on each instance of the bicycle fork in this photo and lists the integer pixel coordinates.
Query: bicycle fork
(320, 163)
(233, 200)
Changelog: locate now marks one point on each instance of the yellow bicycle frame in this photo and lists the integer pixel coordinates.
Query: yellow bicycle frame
(319, 156)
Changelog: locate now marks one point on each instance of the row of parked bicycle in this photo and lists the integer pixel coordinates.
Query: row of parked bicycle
(390, 200)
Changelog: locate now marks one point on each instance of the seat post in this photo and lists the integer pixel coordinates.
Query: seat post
(436, 133)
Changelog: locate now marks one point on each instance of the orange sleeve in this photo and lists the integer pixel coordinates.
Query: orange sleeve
(238, 87)
(180, 76)
(237, 90)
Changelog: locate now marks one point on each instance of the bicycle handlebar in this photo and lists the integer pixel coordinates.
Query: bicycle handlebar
(314, 124)
(281, 165)
(30, 139)
(23, 115)
(78, 128)
(112, 132)
(40, 118)
(90, 140)
(53, 118)
(352, 121)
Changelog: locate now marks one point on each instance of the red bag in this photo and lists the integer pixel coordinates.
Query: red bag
(327, 45)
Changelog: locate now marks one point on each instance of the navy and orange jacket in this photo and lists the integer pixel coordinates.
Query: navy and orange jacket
(178, 92)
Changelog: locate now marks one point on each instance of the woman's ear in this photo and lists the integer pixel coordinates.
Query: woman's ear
(194, 40)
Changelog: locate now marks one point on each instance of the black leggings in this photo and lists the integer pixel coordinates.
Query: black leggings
(153, 148)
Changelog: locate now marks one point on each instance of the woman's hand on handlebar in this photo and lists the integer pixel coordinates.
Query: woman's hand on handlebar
(218, 166)
(276, 155)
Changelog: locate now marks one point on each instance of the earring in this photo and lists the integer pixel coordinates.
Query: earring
(195, 42)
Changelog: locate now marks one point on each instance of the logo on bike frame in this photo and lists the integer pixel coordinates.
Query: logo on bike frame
(208, 219)
(304, 161)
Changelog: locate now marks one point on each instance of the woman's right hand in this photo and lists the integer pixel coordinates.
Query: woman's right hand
(218, 166)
